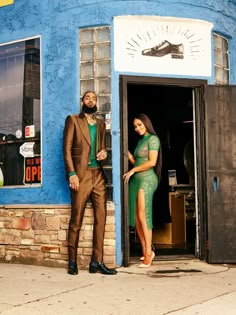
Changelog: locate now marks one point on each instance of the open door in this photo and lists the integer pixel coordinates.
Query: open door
(220, 124)
(215, 143)
(172, 108)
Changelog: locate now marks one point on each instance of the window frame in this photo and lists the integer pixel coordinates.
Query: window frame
(225, 70)
(95, 43)
(31, 185)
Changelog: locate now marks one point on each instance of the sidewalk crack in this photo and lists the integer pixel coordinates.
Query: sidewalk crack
(204, 301)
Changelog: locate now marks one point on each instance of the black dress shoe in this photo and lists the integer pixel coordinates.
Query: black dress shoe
(101, 267)
(72, 268)
(165, 48)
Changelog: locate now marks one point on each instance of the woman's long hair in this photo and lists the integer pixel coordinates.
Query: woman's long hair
(148, 124)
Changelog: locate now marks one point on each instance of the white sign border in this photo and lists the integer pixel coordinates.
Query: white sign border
(134, 34)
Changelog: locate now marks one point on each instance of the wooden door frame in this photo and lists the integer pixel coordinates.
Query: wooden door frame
(197, 85)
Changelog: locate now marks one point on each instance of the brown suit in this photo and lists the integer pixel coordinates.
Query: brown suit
(76, 149)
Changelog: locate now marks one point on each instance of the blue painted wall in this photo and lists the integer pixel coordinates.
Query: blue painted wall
(58, 23)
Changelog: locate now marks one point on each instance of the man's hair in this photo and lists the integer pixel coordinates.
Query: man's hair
(82, 98)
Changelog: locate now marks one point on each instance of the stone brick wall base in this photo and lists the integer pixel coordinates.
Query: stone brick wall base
(37, 235)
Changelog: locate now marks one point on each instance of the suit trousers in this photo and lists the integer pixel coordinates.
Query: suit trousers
(92, 187)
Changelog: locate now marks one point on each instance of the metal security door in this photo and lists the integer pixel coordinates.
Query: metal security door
(220, 123)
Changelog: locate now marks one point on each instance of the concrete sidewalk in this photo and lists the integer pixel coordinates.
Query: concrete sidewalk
(168, 287)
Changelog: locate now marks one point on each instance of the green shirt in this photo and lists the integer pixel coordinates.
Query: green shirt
(92, 158)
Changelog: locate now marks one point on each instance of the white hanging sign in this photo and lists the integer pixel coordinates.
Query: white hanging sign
(162, 45)
(27, 149)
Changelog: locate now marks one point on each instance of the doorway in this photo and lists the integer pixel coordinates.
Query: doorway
(207, 219)
(171, 110)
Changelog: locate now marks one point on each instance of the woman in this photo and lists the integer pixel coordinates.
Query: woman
(145, 176)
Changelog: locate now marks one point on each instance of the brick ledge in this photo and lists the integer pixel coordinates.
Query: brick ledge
(47, 206)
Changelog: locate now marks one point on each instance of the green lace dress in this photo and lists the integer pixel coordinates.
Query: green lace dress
(146, 180)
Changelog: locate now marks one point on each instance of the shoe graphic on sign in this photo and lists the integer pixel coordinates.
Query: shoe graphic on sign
(165, 48)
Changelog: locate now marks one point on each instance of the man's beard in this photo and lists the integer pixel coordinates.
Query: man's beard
(89, 110)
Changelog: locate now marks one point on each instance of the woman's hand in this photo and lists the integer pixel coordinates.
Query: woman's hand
(127, 176)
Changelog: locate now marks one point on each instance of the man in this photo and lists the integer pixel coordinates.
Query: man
(84, 148)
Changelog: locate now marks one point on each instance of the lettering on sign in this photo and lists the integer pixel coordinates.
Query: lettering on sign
(33, 170)
(27, 149)
(29, 131)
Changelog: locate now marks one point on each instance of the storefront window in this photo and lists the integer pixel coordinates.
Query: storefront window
(221, 55)
(95, 75)
(20, 107)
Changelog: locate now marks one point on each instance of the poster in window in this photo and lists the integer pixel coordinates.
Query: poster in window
(32, 170)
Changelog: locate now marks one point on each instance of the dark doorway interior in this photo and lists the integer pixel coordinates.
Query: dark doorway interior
(170, 109)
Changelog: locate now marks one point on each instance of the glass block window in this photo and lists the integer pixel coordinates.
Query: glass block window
(20, 113)
(221, 59)
(95, 75)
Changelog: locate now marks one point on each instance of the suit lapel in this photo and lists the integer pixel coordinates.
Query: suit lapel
(98, 136)
(84, 127)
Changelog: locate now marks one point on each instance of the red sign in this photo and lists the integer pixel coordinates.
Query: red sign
(33, 170)
(29, 131)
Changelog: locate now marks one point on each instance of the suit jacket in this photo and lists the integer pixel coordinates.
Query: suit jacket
(76, 143)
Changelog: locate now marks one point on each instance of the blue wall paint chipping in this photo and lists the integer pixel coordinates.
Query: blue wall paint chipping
(58, 23)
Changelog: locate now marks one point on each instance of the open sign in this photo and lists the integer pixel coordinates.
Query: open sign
(33, 170)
